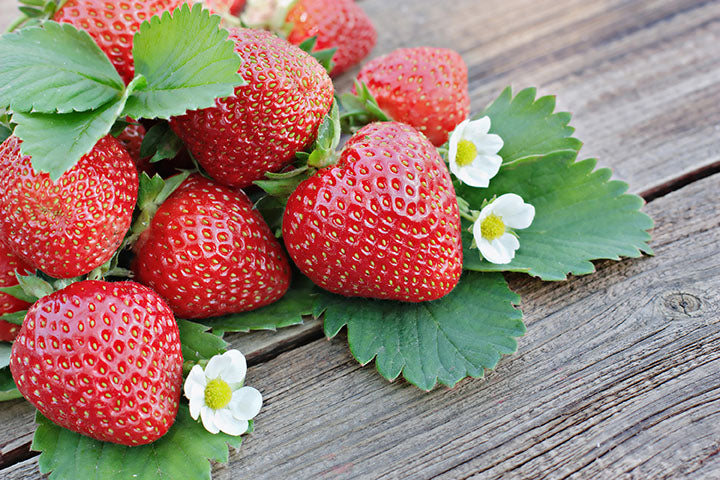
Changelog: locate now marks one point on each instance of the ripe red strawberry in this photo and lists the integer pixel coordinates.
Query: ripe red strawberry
(382, 223)
(336, 23)
(71, 226)
(423, 87)
(131, 138)
(112, 24)
(9, 264)
(208, 252)
(266, 122)
(102, 359)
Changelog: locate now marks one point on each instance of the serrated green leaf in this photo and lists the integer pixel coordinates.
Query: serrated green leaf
(55, 68)
(287, 311)
(5, 132)
(188, 62)
(197, 342)
(182, 453)
(56, 142)
(529, 127)
(580, 215)
(442, 341)
(8, 390)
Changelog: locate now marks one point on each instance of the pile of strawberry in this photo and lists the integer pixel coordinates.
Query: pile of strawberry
(101, 355)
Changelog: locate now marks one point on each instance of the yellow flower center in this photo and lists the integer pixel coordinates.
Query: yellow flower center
(466, 153)
(492, 227)
(217, 394)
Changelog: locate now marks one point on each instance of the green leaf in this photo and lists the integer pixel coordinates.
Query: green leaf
(14, 317)
(197, 342)
(160, 143)
(55, 68)
(8, 390)
(440, 341)
(182, 453)
(188, 62)
(580, 215)
(528, 127)
(287, 311)
(360, 108)
(56, 142)
(5, 132)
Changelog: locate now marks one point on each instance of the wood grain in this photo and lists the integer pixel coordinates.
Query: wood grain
(618, 375)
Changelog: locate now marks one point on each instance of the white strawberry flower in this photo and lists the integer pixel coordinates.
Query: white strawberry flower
(493, 229)
(472, 152)
(218, 396)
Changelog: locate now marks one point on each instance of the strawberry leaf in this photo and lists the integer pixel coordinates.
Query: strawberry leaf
(8, 390)
(182, 453)
(529, 127)
(580, 216)
(160, 143)
(287, 311)
(14, 317)
(198, 343)
(55, 68)
(187, 60)
(441, 341)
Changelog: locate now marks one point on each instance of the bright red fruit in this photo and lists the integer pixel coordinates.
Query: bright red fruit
(208, 252)
(336, 23)
(112, 24)
(71, 226)
(423, 87)
(382, 223)
(9, 264)
(102, 359)
(266, 122)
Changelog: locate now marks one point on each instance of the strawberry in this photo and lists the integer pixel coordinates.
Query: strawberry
(225, 7)
(423, 87)
(9, 264)
(101, 359)
(131, 138)
(69, 227)
(208, 252)
(382, 223)
(112, 24)
(340, 24)
(265, 123)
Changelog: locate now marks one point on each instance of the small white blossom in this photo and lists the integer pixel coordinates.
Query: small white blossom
(217, 394)
(493, 230)
(473, 152)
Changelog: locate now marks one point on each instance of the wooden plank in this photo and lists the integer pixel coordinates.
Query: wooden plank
(618, 377)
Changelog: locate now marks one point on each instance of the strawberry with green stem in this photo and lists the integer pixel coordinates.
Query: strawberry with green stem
(102, 359)
(265, 123)
(10, 264)
(207, 250)
(423, 87)
(383, 222)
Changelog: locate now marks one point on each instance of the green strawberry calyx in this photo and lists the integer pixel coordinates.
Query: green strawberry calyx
(359, 109)
(35, 12)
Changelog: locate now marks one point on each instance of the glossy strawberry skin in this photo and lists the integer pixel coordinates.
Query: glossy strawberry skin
(9, 264)
(74, 225)
(102, 359)
(112, 24)
(336, 23)
(423, 87)
(208, 252)
(265, 123)
(382, 223)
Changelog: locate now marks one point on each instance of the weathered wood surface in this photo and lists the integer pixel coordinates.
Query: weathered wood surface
(607, 377)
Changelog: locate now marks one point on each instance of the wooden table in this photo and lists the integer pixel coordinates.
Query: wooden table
(619, 373)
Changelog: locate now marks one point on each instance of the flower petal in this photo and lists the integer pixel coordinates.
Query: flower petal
(500, 251)
(477, 128)
(208, 419)
(455, 138)
(514, 211)
(490, 144)
(196, 404)
(245, 403)
(195, 381)
(473, 177)
(217, 366)
(230, 425)
(237, 370)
